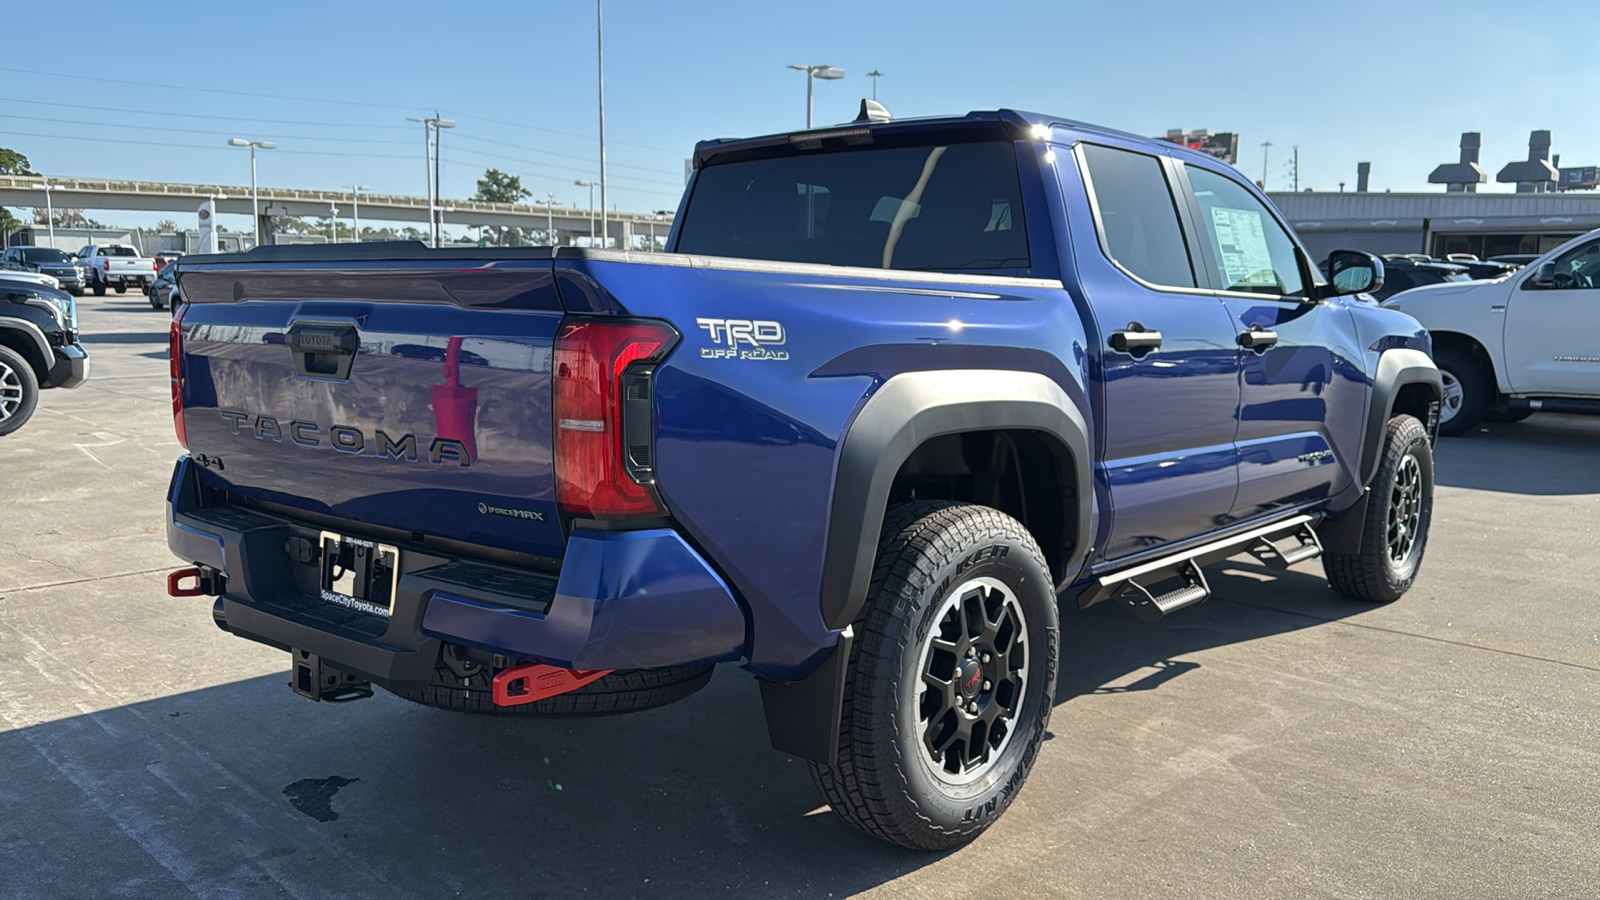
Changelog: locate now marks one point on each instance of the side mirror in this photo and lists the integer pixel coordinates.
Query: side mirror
(1546, 276)
(1353, 272)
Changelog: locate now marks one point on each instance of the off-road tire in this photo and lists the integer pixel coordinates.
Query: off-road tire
(623, 691)
(1371, 573)
(19, 389)
(883, 781)
(1478, 391)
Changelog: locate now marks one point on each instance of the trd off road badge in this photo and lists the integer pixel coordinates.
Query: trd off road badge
(743, 339)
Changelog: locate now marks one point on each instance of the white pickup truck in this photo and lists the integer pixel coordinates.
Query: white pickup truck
(1517, 344)
(115, 266)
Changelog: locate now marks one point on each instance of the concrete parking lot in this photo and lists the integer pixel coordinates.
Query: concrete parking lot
(1277, 741)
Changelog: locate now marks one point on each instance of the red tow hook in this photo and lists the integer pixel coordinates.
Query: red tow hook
(529, 684)
(174, 589)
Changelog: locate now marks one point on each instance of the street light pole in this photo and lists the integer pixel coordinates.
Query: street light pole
(49, 207)
(255, 200)
(874, 75)
(438, 160)
(600, 60)
(826, 73)
(355, 206)
(590, 186)
(550, 217)
(427, 165)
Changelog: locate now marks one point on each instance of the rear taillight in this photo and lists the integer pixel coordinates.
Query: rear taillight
(603, 370)
(105, 264)
(175, 350)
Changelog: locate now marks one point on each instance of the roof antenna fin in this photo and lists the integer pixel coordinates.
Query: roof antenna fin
(872, 112)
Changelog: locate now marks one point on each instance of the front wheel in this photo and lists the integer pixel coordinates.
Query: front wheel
(1468, 392)
(1399, 513)
(99, 288)
(19, 391)
(951, 678)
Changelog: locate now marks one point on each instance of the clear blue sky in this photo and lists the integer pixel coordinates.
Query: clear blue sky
(1391, 82)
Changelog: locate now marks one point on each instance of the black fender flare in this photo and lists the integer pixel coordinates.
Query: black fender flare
(912, 407)
(909, 409)
(35, 335)
(1397, 368)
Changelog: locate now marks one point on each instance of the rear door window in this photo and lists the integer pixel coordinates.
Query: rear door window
(1136, 215)
(949, 207)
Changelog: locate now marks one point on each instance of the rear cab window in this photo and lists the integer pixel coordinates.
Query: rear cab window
(948, 207)
(118, 251)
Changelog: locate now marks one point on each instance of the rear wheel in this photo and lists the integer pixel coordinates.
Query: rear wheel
(1468, 392)
(1399, 513)
(121, 288)
(99, 288)
(19, 391)
(466, 687)
(951, 678)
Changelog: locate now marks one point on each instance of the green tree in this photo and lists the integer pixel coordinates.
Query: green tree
(14, 163)
(8, 222)
(166, 225)
(498, 187)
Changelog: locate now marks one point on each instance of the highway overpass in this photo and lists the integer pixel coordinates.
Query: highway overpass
(152, 196)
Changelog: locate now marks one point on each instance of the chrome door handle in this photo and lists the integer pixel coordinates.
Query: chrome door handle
(1257, 338)
(1134, 337)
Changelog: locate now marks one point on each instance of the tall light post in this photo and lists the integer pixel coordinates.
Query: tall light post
(333, 223)
(49, 208)
(874, 75)
(255, 201)
(355, 207)
(550, 217)
(826, 73)
(432, 154)
(590, 186)
(600, 65)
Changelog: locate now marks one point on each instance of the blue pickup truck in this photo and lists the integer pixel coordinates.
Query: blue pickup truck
(896, 389)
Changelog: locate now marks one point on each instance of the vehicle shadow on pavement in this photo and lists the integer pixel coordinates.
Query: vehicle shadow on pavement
(1553, 454)
(1106, 649)
(244, 784)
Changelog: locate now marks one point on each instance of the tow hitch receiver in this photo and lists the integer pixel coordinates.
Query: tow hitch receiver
(314, 680)
(530, 684)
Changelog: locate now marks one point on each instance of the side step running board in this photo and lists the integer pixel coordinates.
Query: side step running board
(1133, 585)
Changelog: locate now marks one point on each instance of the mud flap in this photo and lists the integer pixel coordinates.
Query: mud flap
(803, 716)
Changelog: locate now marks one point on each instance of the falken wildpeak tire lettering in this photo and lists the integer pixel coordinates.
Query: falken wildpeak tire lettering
(1371, 573)
(886, 781)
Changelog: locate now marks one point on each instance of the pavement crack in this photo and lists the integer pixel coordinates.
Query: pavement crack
(54, 584)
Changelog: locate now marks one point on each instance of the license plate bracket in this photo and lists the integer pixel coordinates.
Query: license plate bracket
(359, 574)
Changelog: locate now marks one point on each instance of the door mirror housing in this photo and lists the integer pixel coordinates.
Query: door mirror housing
(1545, 278)
(1352, 272)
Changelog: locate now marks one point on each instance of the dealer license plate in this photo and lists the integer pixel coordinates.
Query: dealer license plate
(359, 574)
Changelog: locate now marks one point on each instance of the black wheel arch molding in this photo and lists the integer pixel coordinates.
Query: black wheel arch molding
(34, 338)
(914, 407)
(1403, 377)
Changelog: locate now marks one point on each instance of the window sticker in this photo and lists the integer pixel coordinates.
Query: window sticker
(1242, 244)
